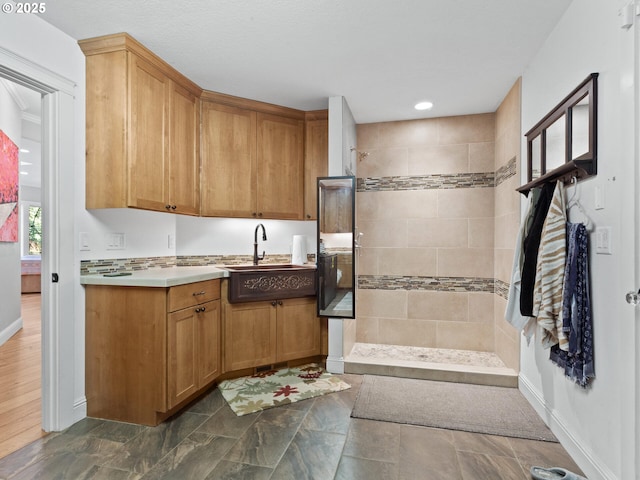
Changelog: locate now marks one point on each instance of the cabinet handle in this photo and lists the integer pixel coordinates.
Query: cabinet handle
(260, 214)
(279, 302)
(308, 216)
(254, 214)
(274, 303)
(173, 207)
(198, 310)
(195, 294)
(168, 207)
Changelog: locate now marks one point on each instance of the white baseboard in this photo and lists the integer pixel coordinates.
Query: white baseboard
(586, 459)
(335, 365)
(10, 331)
(80, 409)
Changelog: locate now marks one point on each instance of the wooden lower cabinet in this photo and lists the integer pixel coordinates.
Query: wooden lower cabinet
(149, 349)
(263, 333)
(193, 337)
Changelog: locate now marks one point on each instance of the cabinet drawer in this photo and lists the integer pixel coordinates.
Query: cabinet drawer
(183, 296)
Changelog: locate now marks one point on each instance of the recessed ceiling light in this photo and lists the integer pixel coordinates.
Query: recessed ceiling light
(24, 173)
(423, 106)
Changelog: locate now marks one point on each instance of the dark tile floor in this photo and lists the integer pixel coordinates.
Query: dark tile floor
(313, 439)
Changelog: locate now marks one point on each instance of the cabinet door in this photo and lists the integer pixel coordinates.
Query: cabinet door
(280, 155)
(336, 210)
(184, 181)
(249, 335)
(316, 157)
(148, 167)
(182, 354)
(228, 176)
(298, 329)
(209, 343)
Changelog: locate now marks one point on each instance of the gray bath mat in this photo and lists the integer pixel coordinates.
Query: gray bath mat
(454, 406)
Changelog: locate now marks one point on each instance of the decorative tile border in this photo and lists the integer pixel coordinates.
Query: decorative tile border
(426, 182)
(502, 289)
(440, 284)
(506, 171)
(438, 180)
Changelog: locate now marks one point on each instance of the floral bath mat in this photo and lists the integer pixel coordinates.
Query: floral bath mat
(278, 387)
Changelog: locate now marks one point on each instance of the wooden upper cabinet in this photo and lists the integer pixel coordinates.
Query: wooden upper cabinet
(142, 129)
(280, 155)
(184, 176)
(252, 159)
(316, 158)
(228, 176)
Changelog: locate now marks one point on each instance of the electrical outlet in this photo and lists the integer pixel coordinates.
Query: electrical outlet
(171, 241)
(115, 241)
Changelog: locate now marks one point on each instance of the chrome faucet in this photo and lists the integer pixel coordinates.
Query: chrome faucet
(257, 258)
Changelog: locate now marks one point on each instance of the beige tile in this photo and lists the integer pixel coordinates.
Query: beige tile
(466, 203)
(384, 162)
(465, 262)
(373, 440)
(476, 465)
(366, 329)
(409, 133)
(507, 200)
(437, 232)
(503, 268)
(407, 261)
(506, 228)
(412, 333)
(367, 261)
(482, 157)
(367, 135)
(485, 444)
(439, 159)
(481, 232)
(383, 233)
(466, 129)
(396, 204)
(466, 336)
(481, 307)
(382, 303)
(428, 453)
(427, 305)
(508, 350)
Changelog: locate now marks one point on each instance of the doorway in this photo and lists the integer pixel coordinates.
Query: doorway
(21, 355)
(62, 404)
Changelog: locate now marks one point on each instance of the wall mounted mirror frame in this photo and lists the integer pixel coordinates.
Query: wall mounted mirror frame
(563, 145)
(336, 247)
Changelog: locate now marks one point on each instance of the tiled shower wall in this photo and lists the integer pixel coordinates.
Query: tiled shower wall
(426, 204)
(507, 217)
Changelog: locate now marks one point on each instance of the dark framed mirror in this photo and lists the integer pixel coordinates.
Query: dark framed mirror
(563, 145)
(336, 247)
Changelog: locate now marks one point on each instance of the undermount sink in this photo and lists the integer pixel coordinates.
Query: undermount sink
(252, 283)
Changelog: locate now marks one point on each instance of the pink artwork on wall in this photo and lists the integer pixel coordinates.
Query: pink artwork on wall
(8, 189)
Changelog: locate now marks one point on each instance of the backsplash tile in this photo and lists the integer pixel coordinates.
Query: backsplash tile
(88, 267)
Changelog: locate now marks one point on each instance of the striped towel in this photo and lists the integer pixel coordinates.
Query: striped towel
(547, 299)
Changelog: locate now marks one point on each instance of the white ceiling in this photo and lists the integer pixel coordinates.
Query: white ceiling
(383, 56)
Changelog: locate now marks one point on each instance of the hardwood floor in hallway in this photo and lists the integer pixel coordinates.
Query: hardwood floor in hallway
(20, 377)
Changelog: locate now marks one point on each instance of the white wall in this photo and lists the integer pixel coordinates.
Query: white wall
(234, 236)
(10, 319)
(588, 39)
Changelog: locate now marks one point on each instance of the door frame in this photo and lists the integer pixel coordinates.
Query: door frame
(629, 407)
(59, 408)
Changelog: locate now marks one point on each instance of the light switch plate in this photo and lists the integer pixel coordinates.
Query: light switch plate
(603, 240)
(84, 242)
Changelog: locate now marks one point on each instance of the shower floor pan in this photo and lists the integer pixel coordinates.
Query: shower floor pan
(462, 366)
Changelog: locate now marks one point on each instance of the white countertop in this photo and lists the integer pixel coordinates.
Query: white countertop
(158, 277)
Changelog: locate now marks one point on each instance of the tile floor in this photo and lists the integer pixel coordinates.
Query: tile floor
(313, 439)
